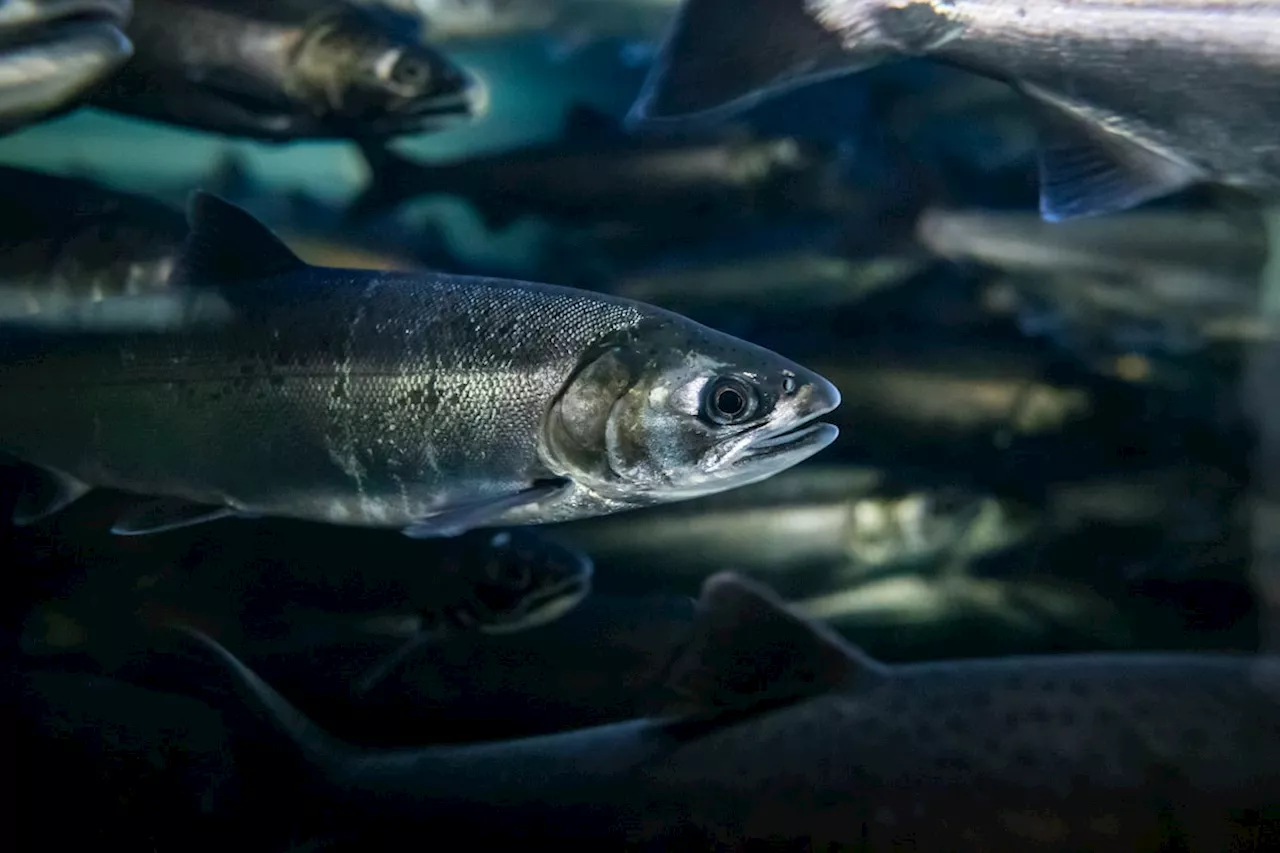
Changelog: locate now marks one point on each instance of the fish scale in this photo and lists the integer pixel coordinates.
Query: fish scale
(369, 398)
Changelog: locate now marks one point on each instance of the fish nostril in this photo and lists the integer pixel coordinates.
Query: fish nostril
(789, 385)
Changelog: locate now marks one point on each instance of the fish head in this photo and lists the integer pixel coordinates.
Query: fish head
(673, 410)
(355, 69)
(523, 579)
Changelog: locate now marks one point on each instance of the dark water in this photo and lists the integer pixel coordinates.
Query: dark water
(1032, 461)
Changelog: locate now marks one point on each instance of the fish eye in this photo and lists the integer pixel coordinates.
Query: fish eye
(728, 400)
(409, 72)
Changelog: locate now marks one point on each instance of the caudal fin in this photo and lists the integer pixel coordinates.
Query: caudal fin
(723, 56)
(315, 748)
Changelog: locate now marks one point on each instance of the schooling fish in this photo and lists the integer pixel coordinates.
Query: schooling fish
(599, 174)
(427, 402)
(788, 736)
(1140, 98)
(55, 53)
(284, 70)
(77, 256)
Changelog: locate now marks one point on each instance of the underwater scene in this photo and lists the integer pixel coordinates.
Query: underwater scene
(640, 425)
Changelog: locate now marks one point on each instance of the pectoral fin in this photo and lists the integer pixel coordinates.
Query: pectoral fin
(48, 492)
(165, 514)
(459, 518)
(1086, 170)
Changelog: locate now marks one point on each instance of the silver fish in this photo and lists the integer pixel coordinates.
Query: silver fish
(785, 735)
(431, 403)
(55, 53)
(1140, 97)
(814, 525)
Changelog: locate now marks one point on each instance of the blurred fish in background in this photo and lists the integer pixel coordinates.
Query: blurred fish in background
(1041, 496)
(54, 54)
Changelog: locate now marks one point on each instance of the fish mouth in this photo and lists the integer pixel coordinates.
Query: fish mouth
(469, 100)
(804, 438)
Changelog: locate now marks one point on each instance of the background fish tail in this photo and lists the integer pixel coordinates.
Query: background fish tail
(725, 55)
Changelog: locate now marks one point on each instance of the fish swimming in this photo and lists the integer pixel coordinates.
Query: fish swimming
(525, 583)
(599, 174)
(1139, 98)
(55, 53)
(805, 530)
(1193, 271)
(782, 734)
(426, 402)
(77, 256)
(288, 69)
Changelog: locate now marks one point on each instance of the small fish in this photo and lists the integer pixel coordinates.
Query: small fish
(598, 174)
(526, 582)
(426, 402)
(55, 53)
(288, 69)
(1197, 272)
(76, 256)
(573, 24)
(781, 733)
(1139, 99)
(813, 525)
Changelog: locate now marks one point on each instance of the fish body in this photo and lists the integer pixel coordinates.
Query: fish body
(791, 737)
(1190, 260)
(598, 175)
(55, 53)
(574, 23)
(815, 525)
(432, 403)
(286, 70)
(78, 256)
(1139, 98)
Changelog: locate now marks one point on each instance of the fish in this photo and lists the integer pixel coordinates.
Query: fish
(806, 530)
(291, 69)
(54, 54)
(1201, 264)
(526, 583)
(816, 272)
(572, 24)
(430, 403)
(598, 174)
(78, 256)
(1138, 100)
(779, 732)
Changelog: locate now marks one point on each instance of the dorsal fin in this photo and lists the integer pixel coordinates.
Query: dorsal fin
(748, 649)
(226, 245)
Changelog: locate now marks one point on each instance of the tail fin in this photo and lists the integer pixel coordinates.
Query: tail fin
(392, 177)
(313, 745)
(723, 56)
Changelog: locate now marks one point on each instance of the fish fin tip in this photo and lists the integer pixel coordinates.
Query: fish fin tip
(749, 648)
(314, 745)
(726, 55)
(1084, 172)
(165, 514)
(455, 520)
(226, 244)
(49, 493)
